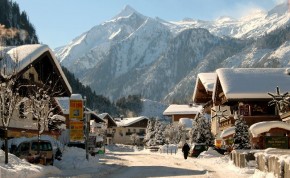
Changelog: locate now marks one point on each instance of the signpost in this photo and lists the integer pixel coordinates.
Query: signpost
(276, 142)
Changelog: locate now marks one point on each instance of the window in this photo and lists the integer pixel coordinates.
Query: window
(21, 110)
(31, 76)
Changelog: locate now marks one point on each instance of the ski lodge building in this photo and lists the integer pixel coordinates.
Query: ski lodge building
(250, 92)
(36, 65)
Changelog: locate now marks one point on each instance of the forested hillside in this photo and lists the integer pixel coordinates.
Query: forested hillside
(126, 106)
(15, 27)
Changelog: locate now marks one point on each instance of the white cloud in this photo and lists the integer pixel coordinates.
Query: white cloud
(241, 10)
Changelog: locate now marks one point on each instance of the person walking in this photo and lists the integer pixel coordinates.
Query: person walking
(185, 150)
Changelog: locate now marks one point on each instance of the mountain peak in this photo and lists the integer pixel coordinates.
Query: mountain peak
(126, 11)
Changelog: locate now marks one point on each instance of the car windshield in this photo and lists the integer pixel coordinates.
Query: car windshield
(199, 147)
(44, 146)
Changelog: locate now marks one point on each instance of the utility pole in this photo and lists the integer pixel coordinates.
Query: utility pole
(86, 127)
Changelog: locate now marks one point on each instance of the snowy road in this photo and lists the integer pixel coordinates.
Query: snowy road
(154, 165)
(144, 164)
(125, 163)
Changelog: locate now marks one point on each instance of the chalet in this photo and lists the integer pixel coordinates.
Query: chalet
(176, 112)
(126, 127)
(111, 127)
(36, 65)
(202, 95)
(246, 90)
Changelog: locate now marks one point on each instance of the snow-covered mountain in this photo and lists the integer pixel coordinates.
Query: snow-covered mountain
(135, 54)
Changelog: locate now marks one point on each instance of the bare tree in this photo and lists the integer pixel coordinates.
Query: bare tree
(9, 94)
(43, 109)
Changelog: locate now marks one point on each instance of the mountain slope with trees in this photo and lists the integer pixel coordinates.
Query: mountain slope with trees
(15, 26)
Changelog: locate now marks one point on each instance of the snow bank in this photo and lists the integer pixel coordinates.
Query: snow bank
(120, 148)
(21, 168)
(210, 153)
(75, 158)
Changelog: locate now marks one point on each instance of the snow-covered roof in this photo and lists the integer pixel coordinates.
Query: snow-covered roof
(63, 103)
(252, 83)
(262, 127)
(76, 96)
(103, 115)
(187, 122)
(129, 121)
(207, 79)
(227, 132)
(182, 109)
(27, 54)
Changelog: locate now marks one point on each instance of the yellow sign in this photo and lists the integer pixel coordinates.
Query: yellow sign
(218, 143)
(76, 131)
(76, 109)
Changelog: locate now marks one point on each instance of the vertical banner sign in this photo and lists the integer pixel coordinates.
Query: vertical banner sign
(76, 109)
(75, 117)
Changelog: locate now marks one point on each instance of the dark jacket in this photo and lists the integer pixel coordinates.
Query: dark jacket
(185, 148)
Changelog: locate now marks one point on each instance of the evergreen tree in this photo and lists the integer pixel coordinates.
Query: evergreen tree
(95, 102)
(241, 137)
(174, 132)
(149, 139)
(201, 131)
(159, 133)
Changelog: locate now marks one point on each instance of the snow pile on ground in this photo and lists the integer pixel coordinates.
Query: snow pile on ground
(75, 158)
(121, 148)
(21, 168)
(209, 153)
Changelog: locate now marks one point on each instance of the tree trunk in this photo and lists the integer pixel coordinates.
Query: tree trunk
(6, 145)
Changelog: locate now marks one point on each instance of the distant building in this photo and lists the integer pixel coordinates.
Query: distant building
(111, 127)
(126, 127)
(176, 112)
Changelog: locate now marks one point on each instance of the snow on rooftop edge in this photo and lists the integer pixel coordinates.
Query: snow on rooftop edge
(262, 127)
(227, 132)
(236, 81)
(182, 109)
(208, 80)
(26, 54)
(130, 120)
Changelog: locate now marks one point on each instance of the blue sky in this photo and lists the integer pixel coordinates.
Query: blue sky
(57, 22)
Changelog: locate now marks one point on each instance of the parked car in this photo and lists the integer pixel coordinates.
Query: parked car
(197, 148)
(28, 150)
